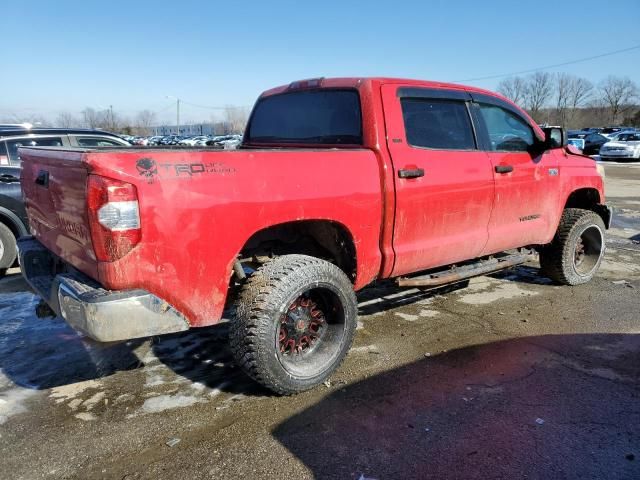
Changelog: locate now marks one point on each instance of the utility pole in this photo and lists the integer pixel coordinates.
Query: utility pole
(177, 112)
(111, 115)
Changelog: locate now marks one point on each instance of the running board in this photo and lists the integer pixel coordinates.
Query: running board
(455, 274)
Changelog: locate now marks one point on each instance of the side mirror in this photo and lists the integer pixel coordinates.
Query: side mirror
(555, 137)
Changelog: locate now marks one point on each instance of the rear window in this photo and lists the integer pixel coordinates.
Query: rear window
(307, 117)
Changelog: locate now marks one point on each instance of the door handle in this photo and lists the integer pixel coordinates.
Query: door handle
(411, 172)
(504, 168)
(8, 179)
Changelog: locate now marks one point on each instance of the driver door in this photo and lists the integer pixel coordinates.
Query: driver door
(527, 183)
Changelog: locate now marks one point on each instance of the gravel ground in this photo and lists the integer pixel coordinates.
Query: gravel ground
(510, 377)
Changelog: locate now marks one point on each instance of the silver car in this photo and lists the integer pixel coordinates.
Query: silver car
(626, 146)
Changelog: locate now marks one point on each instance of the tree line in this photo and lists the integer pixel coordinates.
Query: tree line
(575, 102)
(233, 120)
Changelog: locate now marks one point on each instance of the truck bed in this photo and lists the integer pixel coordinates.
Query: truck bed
(198, 207)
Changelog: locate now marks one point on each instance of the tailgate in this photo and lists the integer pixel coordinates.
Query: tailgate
(54, 183)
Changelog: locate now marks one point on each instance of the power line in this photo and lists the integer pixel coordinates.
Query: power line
(570, 62)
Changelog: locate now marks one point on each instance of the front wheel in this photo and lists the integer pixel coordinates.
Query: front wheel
(295, 321)
(574, 255)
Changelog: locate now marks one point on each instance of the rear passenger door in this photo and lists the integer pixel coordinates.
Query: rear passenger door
(443, 182)
(526, 178)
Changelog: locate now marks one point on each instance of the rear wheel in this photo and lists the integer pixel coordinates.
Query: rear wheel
(295, 321)
(574, 255)
(8, 249)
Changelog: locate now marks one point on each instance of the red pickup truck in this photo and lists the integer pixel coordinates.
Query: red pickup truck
(338, 183)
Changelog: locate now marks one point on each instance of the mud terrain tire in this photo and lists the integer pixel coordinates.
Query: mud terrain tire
(575, 254)
(287, 300)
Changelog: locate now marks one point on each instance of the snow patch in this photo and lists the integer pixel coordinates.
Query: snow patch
(168, 402)
(12, 398)
(497, 291)
(71, 391)
(407, 316)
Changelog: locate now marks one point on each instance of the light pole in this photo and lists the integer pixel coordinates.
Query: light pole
(177, 112)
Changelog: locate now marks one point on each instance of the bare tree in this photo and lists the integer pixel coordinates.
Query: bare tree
(236, 118)
(514, 88)
(144, 121)
(94, 118)
(105, 119)
(67, 120)
(563, 92)
(619, 95)
(539, 91)
(580, 91)
(571, 93)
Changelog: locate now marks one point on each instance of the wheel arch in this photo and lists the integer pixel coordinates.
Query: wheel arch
(589, 199)
(320, 238)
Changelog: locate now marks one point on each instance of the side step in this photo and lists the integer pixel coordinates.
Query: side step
(455, 274)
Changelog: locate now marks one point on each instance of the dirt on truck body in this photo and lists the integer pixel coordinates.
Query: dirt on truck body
(338, 183)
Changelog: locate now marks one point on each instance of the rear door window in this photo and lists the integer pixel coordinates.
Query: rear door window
(13, 145)
(437, 124)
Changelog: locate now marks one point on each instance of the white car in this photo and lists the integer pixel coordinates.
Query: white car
(625, 147)
(192, 141)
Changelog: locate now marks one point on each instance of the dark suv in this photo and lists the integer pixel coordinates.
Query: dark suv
(13, 219)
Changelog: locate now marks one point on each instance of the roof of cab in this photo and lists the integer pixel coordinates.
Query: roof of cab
(355, 82)
(360, 82)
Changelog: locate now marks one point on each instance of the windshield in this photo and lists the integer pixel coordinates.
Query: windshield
(629, 137)
(307, 117)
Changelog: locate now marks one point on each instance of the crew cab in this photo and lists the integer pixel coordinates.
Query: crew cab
(338, 183)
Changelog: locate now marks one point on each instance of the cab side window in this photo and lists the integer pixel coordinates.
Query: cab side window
(438, 124)
(507, 131)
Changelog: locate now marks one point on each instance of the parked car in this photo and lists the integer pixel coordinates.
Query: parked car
(192, 141)
(13, 218)
(154, 140)
(592, 141)
(626, 146)
(220, 141)
(609, 131)
(339, 183)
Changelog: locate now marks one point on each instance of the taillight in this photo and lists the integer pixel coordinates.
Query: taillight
(114, 217)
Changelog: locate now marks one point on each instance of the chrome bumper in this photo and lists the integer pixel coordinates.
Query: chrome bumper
(103, 315)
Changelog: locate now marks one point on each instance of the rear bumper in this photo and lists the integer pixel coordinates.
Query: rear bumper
(618, 155)
(103, 315)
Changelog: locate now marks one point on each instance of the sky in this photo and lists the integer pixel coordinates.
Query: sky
(66, 55)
